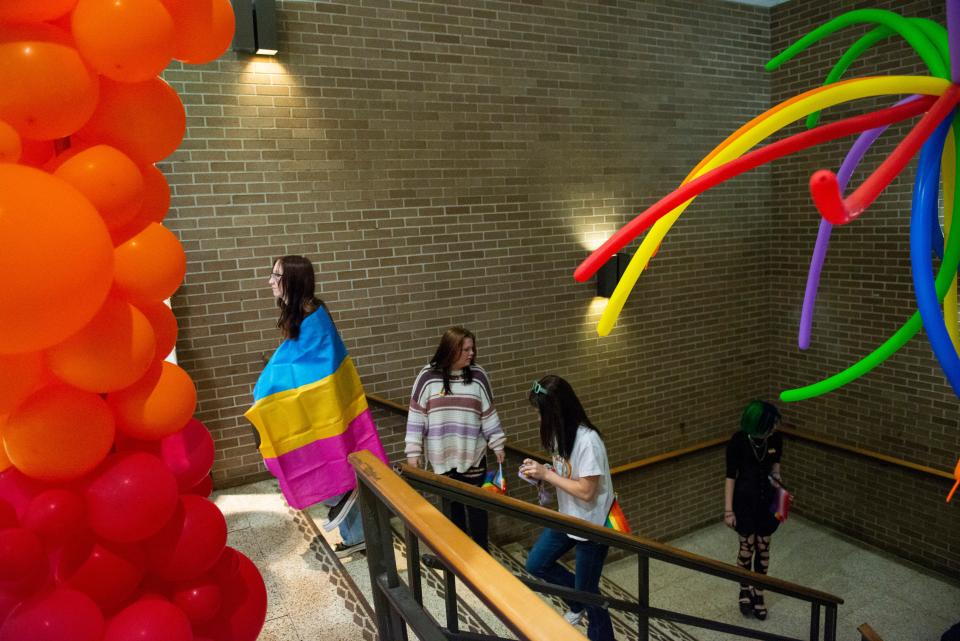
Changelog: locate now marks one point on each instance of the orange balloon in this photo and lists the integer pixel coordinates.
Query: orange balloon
(59, 434)
(56, 260)
(42, 31)
(153, 209)
(45, 89)
(113, 351)
(158, 405)
(204, 29)
(125, 40)
(34, 10)
(36, 153)
(109, 180)
(144, 120)
(10, 146)
(20, 376)
(149, 266)
(164, 327)
(4, 459)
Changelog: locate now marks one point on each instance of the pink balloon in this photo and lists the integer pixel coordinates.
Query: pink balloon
(55, 514)
(149, 619)
(18, 490)
(188, 454)
(109, 573)
(199, 599)
(190, 542)
(131, 497)
(244, 607)
(59, 615)
(8, 515)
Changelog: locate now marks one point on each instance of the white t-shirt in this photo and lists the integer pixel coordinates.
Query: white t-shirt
(588, 458)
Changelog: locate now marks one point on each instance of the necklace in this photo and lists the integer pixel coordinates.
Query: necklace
(759, 453)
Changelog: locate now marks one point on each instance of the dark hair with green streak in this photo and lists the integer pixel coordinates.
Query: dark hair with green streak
(759, 418)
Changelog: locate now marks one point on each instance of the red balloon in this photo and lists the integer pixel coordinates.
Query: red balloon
(107, 572)
(60, 615)
(129, 41)
(199, 599)
(204, 29)
(8, 515)
(36, 153)
(34, 10)
(190, 542)
(164, 327)
(111, 352)
(55, 514)
(45, 221)
(203, 488)
(46, 91)
(157, 405)
(244, 606)
(149, 619)
(22, 558)
(18, 490)
(188, 454)
(150, 266)
(145, 120)
(131, 497)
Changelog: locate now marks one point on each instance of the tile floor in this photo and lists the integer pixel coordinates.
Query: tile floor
(313, 595)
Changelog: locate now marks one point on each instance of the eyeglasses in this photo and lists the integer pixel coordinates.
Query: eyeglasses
(275, 276)
(538, 388)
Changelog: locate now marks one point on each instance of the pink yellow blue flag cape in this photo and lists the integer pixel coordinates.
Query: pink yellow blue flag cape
(311, 413)
(494, 481)
(616, 519)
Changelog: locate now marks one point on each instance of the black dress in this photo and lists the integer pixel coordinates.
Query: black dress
(750, 462)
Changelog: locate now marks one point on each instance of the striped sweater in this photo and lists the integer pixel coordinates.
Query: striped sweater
(453, 430)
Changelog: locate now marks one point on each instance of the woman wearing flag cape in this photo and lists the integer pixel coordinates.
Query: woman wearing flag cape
(309, 410)
(581, 475)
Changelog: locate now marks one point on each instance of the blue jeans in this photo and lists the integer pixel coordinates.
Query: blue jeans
(351, 528)
(542, 563)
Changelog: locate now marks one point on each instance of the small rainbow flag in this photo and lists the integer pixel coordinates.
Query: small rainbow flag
(782, 500)
(494, 482)
(956, 475)
(616, 520)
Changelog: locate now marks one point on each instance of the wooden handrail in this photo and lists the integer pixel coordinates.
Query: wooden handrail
(519, 608)
(867, 633)
(649, 547)
(787, 429)
(790, 430)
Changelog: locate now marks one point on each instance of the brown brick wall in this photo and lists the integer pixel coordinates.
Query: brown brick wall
(448, 162)
(904, 408)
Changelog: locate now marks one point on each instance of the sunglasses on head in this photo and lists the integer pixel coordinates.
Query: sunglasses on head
(538, 388)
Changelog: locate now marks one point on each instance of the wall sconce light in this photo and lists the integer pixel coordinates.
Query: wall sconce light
(609, 275)
(256, 27)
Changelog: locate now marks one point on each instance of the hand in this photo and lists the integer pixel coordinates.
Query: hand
(413, 461)
(500, 454)
(730, 520)
(533, 470)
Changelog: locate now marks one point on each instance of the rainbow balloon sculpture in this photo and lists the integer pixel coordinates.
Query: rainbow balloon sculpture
(105, 529)
(934, 98)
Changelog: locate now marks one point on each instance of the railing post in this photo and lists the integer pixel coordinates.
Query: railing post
(814, 621)
(413, 564)
(830, 624)
(450, 581)
(643, 596)
(380, 560)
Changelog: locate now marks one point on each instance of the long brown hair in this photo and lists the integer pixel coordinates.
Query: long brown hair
(449, 350)
(297, 297)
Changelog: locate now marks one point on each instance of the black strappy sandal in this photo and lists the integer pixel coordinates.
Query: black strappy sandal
(746, 602)
(759, 608)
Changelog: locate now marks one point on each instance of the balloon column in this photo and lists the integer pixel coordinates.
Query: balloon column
(935, 97)
(105, 529)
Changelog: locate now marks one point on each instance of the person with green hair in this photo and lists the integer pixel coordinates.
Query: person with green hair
(753, 465)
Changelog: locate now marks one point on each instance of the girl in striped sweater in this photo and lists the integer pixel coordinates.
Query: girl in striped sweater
(452, 421)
